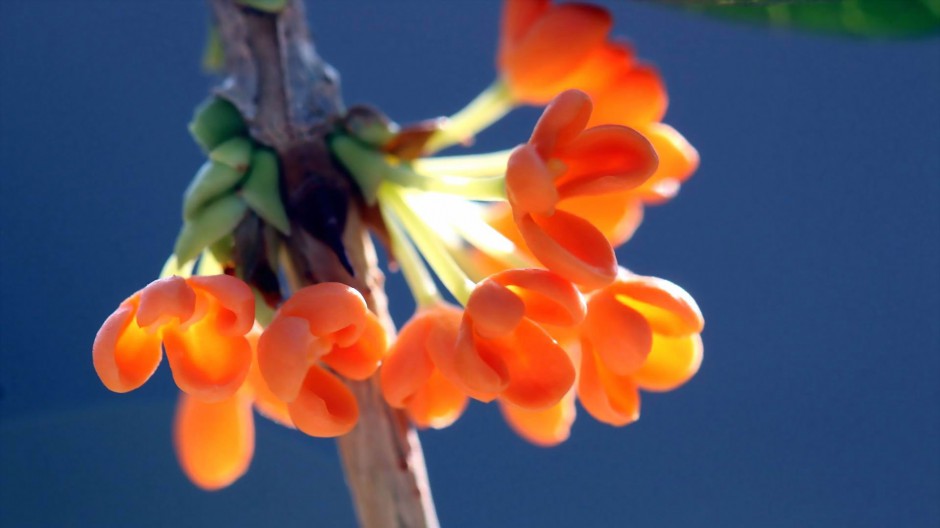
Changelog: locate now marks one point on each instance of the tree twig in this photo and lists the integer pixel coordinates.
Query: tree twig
(290, 99)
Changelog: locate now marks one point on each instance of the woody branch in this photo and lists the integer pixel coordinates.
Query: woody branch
(290, 99)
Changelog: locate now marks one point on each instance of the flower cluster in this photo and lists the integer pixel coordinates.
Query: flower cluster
(225, 363)
(547, 48)
(549, 316)
(523, 240)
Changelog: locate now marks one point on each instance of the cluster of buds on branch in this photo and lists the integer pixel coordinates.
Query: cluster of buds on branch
(541, 313)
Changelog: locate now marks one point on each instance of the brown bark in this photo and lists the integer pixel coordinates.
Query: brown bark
(290, 99)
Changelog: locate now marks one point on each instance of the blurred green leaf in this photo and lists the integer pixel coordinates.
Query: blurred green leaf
(270, 6)
(213, 56)
(859, 18)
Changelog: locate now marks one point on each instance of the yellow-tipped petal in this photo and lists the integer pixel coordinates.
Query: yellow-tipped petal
(206, 364)
(673, 361)
(546, 427)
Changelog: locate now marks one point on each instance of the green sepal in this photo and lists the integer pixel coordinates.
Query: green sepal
(262, 190)
(213, 180)
(269, 6)
(214, 122)
(213, 222)
(235, 152)
(223, 249)
(264, 314)
(364, 164)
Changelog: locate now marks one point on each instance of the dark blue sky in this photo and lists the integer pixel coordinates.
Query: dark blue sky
(810, 237)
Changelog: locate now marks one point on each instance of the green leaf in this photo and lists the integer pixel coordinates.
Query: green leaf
(213, 56)
(213, 222)
(269, 6)
(214, 122)
(859, 18)
(714, 3)
(262, 190)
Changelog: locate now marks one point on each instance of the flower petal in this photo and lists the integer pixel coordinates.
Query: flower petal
(673, 361)
(286, 350)
(677, 161)
(437, 404)
(599, 69)
(499, 216)
(616, 215)
(619, 335)
(545, 427)
(164, 300)
(669, 309)
(408, 366)
(361, 359)
(235, 313)
(125, 355)
(325, 407)
(540, 372)
(561, 122)
(547, 297)
(518, 16)
(266, 402)
(214, 442)
(494, 309)
(571, 247)
(605, 159)
(331, 309)
(205, 364)
(475, 364)
(608, 399)
(636, 98)
(530, 186)
(536, 65)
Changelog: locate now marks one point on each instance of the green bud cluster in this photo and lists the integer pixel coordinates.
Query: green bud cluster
(239, 175)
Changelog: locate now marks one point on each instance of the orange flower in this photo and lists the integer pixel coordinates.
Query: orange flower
(639, 333)
(410, 379)
(545, 49)
(215, 442)
(326, 323)
(543, 427)
(201, 321)
(501, 349)
(561, 161)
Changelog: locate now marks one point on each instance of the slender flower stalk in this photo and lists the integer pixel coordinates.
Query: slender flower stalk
(469, 165)
(450, 273)
(371, 167)
(416, 273)
(487, 108)
(465, 220)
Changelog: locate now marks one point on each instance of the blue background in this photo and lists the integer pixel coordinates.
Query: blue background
(810, 237)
